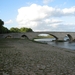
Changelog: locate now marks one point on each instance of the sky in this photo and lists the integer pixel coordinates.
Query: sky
(39, 15)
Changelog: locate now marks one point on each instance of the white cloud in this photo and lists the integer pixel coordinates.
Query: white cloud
(51, 21)
(69, 11)
(8, 22)
(47, 1)
(40, 17)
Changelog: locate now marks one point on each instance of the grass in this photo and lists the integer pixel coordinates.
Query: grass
(40, 37)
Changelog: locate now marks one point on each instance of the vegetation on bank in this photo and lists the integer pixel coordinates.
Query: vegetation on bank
(13, 29)
(41, 37)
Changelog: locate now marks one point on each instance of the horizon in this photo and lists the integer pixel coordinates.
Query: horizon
(39, 15)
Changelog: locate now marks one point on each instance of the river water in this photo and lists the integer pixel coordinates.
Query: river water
(66, 44)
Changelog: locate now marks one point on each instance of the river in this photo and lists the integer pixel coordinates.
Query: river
(66, 44)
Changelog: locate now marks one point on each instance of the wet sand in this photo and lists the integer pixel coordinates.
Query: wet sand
(24, 57)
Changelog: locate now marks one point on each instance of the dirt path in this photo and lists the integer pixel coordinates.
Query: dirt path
(24, 57)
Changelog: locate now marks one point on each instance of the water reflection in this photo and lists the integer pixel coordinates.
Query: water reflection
(58, 44)
(63, 45)
(44, 40)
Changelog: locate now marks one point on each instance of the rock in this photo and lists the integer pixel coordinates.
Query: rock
(41, 67)
(51, 74)
(31, 73)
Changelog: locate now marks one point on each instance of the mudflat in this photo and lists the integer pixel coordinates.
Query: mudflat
(24, 57)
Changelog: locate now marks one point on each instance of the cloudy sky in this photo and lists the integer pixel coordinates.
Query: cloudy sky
(40, 15)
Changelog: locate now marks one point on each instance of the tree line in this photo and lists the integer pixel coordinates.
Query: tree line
(23, 29)
(13, 29)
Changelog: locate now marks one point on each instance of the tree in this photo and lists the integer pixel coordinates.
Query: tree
(23, 29)
(1, 25)
(5, 30)
(14, 30)
(29, 30)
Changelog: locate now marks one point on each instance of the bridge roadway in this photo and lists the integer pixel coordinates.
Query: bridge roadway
(31, 35)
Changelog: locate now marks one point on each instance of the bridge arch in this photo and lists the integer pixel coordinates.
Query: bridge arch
(70, 37)
(54, 36)
(32, 35)
(8, 36)
(46, 35)
(24, 36)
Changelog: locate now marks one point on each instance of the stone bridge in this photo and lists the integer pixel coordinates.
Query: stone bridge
(31, 35)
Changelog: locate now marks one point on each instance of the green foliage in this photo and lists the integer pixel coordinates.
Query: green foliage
(41, 37)
(1, 23)
(23, 29)
(14, 30)
(5, 30)
(2, 28)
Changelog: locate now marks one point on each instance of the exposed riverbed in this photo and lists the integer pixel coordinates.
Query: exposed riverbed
(24, 57)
